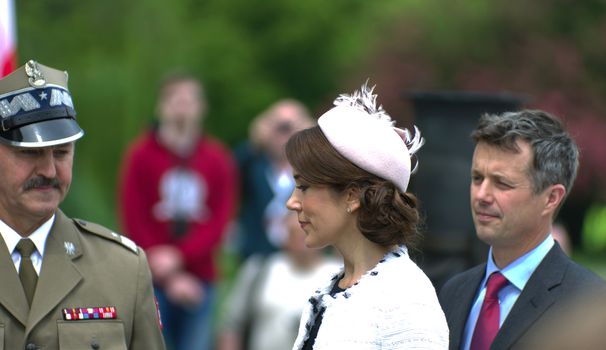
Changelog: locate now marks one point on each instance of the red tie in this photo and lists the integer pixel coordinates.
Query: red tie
(488, 321)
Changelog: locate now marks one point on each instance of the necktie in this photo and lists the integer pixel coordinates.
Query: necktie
(27, 273)
(488, 320)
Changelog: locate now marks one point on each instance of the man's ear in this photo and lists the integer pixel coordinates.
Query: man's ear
(554, 197)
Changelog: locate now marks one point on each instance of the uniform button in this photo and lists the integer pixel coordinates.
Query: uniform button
(30, 346)
(95, 346)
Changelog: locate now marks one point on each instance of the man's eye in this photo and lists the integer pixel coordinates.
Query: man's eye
(504, 185)
(29, 152)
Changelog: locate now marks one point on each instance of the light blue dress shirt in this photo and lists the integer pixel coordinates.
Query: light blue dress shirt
(517, 273)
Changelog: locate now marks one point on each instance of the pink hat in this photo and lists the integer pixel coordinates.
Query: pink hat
(366, 135)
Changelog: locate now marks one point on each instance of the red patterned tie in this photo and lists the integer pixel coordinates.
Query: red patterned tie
(488, 320)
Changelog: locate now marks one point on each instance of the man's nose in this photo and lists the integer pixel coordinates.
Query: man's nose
(483, 192)
(45, 165)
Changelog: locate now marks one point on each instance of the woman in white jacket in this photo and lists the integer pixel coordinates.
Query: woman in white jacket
(351, 173)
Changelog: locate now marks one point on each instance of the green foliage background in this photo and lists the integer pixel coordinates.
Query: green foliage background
(252, 53)
(248, 54)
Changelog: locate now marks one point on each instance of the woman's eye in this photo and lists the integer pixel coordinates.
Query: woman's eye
(302, 188)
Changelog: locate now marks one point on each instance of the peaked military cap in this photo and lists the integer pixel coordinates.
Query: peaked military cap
(36, 109)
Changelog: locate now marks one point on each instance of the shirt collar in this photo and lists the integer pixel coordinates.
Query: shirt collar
(39, 236)
(519, 271)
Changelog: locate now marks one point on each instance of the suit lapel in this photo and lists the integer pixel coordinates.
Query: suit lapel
(462, 301)
(12, 296)
(538, 295)
(59, 275)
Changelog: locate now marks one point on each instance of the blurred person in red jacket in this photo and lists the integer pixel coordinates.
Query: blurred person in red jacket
(177, 196)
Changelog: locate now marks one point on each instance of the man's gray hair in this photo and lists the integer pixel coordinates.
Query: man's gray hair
(555, 154)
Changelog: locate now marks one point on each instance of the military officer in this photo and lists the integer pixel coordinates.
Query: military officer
(66, 283)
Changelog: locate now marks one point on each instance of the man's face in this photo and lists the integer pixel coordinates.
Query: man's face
(506, 212)
(286, 120)
(180, 106)
(34, 181)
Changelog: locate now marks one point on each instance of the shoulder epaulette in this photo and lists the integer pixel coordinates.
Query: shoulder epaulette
(107, 234)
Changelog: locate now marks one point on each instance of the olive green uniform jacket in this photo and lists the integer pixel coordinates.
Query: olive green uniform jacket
(84, 265)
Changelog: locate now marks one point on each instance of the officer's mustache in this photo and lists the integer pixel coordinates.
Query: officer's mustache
(41, 181)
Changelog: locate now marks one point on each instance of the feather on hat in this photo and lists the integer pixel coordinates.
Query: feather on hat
(365, 134)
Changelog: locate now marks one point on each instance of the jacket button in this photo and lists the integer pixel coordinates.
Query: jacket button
(30, 346)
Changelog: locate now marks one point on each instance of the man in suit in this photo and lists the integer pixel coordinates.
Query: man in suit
(66, 283)
(523, 167)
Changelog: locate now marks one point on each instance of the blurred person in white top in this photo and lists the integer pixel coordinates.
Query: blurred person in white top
(263, 309)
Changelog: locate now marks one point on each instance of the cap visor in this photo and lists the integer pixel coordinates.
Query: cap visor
(43, 134)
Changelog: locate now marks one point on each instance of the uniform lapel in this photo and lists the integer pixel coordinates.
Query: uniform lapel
(59, 275)
(538, 295)
(12, 296)
(461, 303)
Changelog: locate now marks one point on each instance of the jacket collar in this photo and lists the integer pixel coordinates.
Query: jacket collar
(365, 279)
(540, 293)
(59, 274)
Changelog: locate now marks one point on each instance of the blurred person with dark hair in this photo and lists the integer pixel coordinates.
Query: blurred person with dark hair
(177, 196)
(352, 173)
(66, 283)
(264, 307)
(266, 177)
(523, 167)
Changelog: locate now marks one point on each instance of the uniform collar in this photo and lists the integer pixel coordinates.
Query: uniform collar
(39, 236)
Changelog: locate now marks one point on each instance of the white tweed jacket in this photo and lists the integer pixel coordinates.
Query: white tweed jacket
(393, 306)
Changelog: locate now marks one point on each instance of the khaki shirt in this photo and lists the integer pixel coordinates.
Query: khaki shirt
(84, 266)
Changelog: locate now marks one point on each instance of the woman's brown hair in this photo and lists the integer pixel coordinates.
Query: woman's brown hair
(386, 215)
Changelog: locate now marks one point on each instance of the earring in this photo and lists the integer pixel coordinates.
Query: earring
(349, 210)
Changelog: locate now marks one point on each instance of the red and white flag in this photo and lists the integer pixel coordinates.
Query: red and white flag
(8, 37)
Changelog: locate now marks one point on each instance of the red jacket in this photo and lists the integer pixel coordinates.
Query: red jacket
(154, 182)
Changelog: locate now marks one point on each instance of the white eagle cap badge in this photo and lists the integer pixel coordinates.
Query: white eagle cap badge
(36, 79)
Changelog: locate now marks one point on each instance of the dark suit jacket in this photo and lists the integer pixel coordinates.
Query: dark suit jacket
(84, 265)
(556, 279)
(256, 193)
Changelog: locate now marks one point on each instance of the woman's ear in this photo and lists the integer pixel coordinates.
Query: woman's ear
(352, 199)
